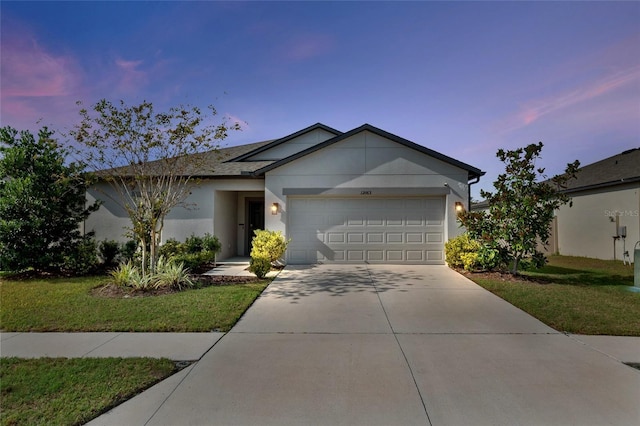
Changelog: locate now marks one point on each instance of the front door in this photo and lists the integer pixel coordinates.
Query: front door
(255, 220)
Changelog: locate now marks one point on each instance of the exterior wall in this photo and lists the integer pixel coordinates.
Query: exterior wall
(212, 198)
(294, 146)
(224, 222)
(367, 162)
(111, 221)
(587, 228)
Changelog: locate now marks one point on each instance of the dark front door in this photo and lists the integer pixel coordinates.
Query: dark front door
(255, 220)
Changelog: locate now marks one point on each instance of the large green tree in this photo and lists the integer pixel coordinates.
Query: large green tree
(42, 201)
(521, 208)
(149, 159)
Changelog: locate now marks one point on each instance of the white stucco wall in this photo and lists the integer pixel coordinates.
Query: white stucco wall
(367, 161)
(587, 228)
(211, 198)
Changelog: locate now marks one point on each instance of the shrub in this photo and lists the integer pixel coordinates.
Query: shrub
(109, 251)
(123, 275)
(461, 251)
(260, 266)
(82, 257)
(270, 245)
(211, 244)
(172, 275)
(170, 248)
(193, 244)
(128, 250)
(194, 252)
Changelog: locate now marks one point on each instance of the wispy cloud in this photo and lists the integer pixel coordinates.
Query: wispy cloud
(29, 70)
(38, 85)
(130, 75)
(536, 109)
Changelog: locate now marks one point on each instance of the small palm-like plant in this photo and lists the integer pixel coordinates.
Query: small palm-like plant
(128, 275)
(124, 274)
(172, 275)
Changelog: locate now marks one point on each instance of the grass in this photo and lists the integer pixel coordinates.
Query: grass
(66, 304)
(60, 391)
(574, 295)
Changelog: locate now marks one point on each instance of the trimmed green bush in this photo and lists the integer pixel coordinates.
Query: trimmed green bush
(260, 266)
(270, 245)
(462, 252)
(267, 247)
(194, 252)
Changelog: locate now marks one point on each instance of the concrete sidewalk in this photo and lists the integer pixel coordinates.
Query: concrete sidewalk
(364, 344)
(192, 346)
(174, 346)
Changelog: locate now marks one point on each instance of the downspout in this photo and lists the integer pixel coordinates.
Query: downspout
(477, 179)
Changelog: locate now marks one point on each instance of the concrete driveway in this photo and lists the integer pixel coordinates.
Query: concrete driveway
(391, 345)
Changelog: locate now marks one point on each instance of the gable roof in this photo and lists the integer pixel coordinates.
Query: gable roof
(618, 169)
(276, 142)
(472, 171)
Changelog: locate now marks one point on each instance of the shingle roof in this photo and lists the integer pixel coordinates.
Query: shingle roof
(615, 170)
(215, 163)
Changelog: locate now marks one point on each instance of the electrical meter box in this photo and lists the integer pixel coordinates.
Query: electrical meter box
(622, 231)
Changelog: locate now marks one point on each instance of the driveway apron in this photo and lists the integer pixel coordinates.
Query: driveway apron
(395, 345)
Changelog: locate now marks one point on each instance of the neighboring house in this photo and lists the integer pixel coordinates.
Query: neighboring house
(605, 205)
(606, 197)
(361, 196)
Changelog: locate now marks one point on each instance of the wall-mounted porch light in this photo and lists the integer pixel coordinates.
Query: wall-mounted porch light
(459, 207)
(275, 208)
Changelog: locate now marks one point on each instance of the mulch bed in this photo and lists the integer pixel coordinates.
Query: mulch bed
(504, 277)
(116, 292)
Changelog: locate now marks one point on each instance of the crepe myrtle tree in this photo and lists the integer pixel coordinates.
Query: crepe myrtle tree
(521, 208)
(149, 159)
(42, 202)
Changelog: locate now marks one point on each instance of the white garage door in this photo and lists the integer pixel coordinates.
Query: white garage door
(375, 230)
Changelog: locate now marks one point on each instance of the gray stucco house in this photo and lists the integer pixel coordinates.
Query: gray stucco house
(365, 195)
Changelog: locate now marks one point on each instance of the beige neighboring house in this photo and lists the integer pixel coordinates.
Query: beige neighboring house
(605, 205)
(361, 196)
(606, 202)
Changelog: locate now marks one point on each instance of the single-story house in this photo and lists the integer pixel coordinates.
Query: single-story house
(604, 220)
(365, 195)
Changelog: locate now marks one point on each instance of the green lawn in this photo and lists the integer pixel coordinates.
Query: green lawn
(66, 304)
(60, 391)
(574, 295)
(72, 391)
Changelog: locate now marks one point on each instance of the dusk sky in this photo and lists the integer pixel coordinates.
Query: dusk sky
(461, 78)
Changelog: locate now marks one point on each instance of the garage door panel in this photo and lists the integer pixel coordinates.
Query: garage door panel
(395, 238)
(375, 237)
(415, 238)
(336, 238)
(395, 255)
(383, 230)
(415, 255)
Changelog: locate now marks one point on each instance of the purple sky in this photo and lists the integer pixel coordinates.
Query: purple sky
(461, 78)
